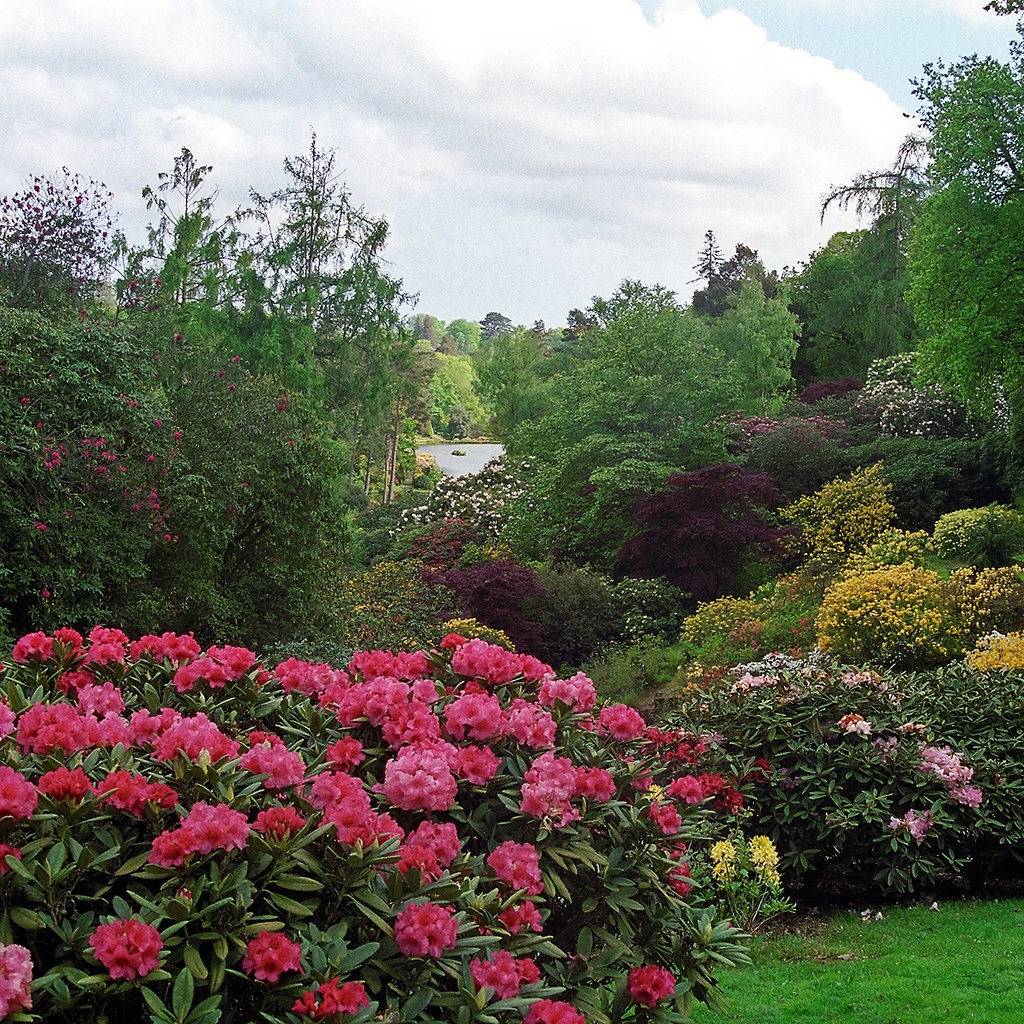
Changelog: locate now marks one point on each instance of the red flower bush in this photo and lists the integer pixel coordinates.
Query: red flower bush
(428, 810)
(650, 984)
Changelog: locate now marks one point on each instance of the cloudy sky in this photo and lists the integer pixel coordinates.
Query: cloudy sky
(528, 154)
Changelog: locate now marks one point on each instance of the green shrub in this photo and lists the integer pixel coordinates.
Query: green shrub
(852, 754)
(800, 455)
(650, 611)
(990, 536)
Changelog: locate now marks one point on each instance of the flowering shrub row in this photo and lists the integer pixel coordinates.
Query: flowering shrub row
(876, 784)
(453, 835)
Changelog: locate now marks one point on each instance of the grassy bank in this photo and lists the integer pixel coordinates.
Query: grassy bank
(963, 962)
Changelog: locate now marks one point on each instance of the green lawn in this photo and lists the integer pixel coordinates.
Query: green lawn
(963, 963)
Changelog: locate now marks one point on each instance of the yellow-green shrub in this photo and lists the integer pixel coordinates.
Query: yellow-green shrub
(893, 547)
(845, 516)
(722, 631)
(989, 536)
(999, 652)
(986, 601)
(472, 629)
(896, 615)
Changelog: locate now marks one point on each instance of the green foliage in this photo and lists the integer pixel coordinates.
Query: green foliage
(650, 611)
(799, 454)
(989, 536)
(745, 877)
(511, 383)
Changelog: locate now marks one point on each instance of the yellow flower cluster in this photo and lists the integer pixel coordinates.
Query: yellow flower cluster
(1005, 652)
(971, 532)
(723, 860)
(986, 601)
(896, 615)
(719, 618)
(472, 629)
(893, 547)
(845, 516)
(765, 859)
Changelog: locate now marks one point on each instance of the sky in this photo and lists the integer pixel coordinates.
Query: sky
(527, 154)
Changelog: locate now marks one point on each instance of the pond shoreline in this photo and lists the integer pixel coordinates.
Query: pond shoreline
(477, 455)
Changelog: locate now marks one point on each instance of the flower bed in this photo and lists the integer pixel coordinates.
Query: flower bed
(453, 835)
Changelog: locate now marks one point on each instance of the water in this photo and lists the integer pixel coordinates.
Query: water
(477, 456)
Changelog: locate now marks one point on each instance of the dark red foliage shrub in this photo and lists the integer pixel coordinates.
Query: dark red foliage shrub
(498, 594)
(440, 545)
(700, 532)
(822, 389)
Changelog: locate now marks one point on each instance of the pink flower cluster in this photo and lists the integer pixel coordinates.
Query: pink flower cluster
(947, 766)
(553, 1011)
(332, 999)
(283, 767)
(548, 787)
(650, 984)
(15, 980)
(346, 805)
(503, 973)
(918, 825)
(518, 866)
(129, 949)
(425, 929)
(18, 797)
(205, 829)
(269, 955)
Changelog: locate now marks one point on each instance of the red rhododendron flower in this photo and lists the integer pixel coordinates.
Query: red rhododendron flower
(522, 915)
(166, 647)
(651, 984)
(65, 784)
(686, 788)
(106, 646)
(18, 797)
(128, 949)
(279, 822)
(192, 737)
(6, 850)
(269, 955)
(595, 784)
(477, 765)
(45, 728)
(518, 866)
(132, 793)
(425, 929)
(346, 753)
(550, 1011)
(100, 699)
(15, 980)
(503, 973)
(331, 999)
(666, 816)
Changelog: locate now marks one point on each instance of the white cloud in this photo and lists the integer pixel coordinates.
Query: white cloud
(543, 147)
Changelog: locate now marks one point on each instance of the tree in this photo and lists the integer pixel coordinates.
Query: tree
(727, 277)
(709, 262)
(641, 400)
(759, 335)
(967, 275)
(466, 335)
(510, 379)
(493, 325)
(57, 243)
(700, 530)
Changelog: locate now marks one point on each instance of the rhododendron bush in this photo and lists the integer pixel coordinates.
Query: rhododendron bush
(189, 836)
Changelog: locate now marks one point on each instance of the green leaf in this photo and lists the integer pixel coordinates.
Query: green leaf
(194, 962)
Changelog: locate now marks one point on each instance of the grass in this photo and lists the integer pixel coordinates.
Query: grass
(963, 963)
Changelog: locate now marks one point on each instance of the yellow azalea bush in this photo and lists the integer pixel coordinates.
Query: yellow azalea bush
(845, 516)
(989, 536)
(986, 601)
(998, 652)
(893, 547)
(895, 615)
(745, 876)
(472, 629)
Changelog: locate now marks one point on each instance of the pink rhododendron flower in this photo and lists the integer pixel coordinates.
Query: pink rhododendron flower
(425, 929)
(419, 779)
(346, 753)
(310, 679)
(595, 784)
(665, 816)
(15, 979)
(430, 848)
(106, 646)
(549, 786)
(503, 973)
(549, 1011)
(33, 647)
(6, 850)
(518, 866)
(100, 699)
(133, 793)
(6, 719)
(144, 727)
(478, 716)
(46, 728)
(205, 829)
(404, 665)
(686, 788)
(206, 670)
(621, 722)
(235, 660)
(531, 725)
(520, 916)
(577, 692)
(166, 647)
(855, 724)
(129, 949)
(477, 765)
(269, 955)
(65, 784)
(651, 984)
(283, 767)
(331, 999)
(478, 659)
(918, 825)
(410, 724)
(18, 797)
(192, 737)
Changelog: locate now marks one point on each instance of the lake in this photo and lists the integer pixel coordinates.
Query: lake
(476, 457)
